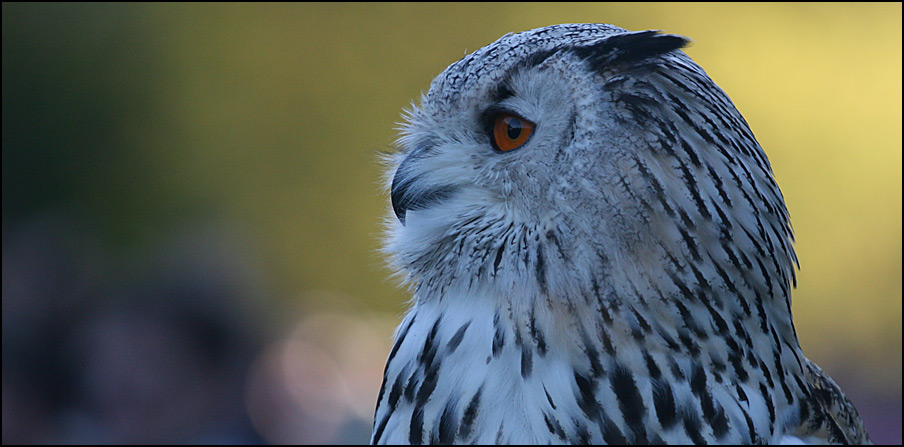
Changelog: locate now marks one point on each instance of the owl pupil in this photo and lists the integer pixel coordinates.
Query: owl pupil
(514, 128)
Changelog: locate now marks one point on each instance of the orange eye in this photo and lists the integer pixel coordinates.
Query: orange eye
(510, 131)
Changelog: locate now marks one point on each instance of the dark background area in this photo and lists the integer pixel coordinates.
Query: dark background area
(192, 201)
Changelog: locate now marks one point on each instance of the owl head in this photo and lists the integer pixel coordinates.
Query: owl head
(577, 158)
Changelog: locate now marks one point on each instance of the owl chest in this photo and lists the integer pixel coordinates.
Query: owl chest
(456, 376)
(473, 374)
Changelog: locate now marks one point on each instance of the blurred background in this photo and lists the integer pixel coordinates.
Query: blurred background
(192, 202)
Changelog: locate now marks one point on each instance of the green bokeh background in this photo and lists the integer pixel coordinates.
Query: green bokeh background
(147, 124)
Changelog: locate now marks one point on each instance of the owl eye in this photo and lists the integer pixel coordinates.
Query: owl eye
(510, 131)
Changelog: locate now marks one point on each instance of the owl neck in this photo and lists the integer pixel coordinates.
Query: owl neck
(732, 311)
(736, 293)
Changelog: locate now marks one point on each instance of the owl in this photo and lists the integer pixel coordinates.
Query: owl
(598, 253)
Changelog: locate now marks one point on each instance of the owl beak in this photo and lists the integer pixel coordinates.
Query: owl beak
(400, 197)
(412, 192)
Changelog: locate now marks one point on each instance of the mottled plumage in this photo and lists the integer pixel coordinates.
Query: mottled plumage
(623, 274)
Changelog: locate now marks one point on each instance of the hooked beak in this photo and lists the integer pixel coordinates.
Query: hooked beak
(410, 191)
